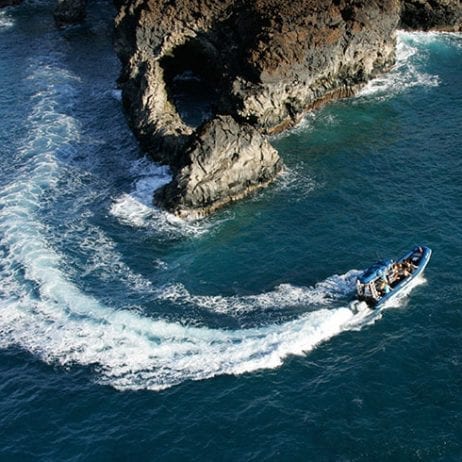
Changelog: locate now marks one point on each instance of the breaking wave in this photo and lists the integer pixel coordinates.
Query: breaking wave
(406, 72)
(136, 208)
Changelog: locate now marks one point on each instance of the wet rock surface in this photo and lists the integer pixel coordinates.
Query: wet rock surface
(265, 61)
(442, 15)
(69, 12)
(224, 161)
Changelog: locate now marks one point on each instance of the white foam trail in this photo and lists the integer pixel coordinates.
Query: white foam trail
(404, 75)
(132, 352)
(102, 260)
(46, 314)
(322, 294)
(43, 312)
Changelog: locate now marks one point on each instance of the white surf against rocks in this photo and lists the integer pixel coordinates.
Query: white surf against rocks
(406, 73)
(6, 21)
(136, 209)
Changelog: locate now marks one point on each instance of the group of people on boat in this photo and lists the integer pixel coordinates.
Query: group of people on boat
(399, 271)
(387, 276)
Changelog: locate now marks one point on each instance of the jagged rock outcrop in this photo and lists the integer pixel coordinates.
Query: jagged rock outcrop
(269, 60)
(439, 15)
(266, 61)
(69, 12)
(223, 162)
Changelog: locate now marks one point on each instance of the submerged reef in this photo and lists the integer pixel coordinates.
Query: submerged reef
(69, 12)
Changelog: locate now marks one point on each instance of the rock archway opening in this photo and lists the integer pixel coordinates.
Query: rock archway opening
(192, 76)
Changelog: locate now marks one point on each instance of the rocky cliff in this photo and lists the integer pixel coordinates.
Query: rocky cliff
(223, 161)
(439, 15)
(266, 62)
(251, 68)
(262, 63)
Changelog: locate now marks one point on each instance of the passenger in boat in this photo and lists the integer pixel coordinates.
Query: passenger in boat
(409, 266)
(403, 272)
(384, 287)
(406, 272)
(393, 275)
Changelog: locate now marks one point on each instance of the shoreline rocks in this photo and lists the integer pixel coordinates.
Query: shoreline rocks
(223, 162)
(267, 61)
(428, 15)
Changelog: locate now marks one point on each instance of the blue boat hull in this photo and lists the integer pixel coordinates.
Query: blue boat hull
(403, 284)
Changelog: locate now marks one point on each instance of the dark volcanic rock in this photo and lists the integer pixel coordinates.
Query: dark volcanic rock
(269, 60)
(224, 162)
(440, 15)
(266, 61)
(69, 12)
(4, 3)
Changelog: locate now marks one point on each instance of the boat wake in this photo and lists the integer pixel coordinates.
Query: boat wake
(43, 310)
(324, 294)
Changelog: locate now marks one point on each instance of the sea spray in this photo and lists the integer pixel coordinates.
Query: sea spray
(136, 208)
(405, 73)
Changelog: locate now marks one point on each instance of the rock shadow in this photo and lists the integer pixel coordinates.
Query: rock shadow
(193, 80)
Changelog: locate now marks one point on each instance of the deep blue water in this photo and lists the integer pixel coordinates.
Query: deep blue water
(126, 334)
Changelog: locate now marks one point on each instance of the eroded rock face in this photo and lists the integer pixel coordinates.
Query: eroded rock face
(309, 52)
(269, 60)
(69, 12)
(224, 161)
(439, 15)
(265, 61)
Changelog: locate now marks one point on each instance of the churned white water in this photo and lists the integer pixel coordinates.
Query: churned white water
(43, 311)
(405, 73)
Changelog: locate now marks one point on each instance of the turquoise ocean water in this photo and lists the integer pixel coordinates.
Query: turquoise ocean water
(126, 334)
